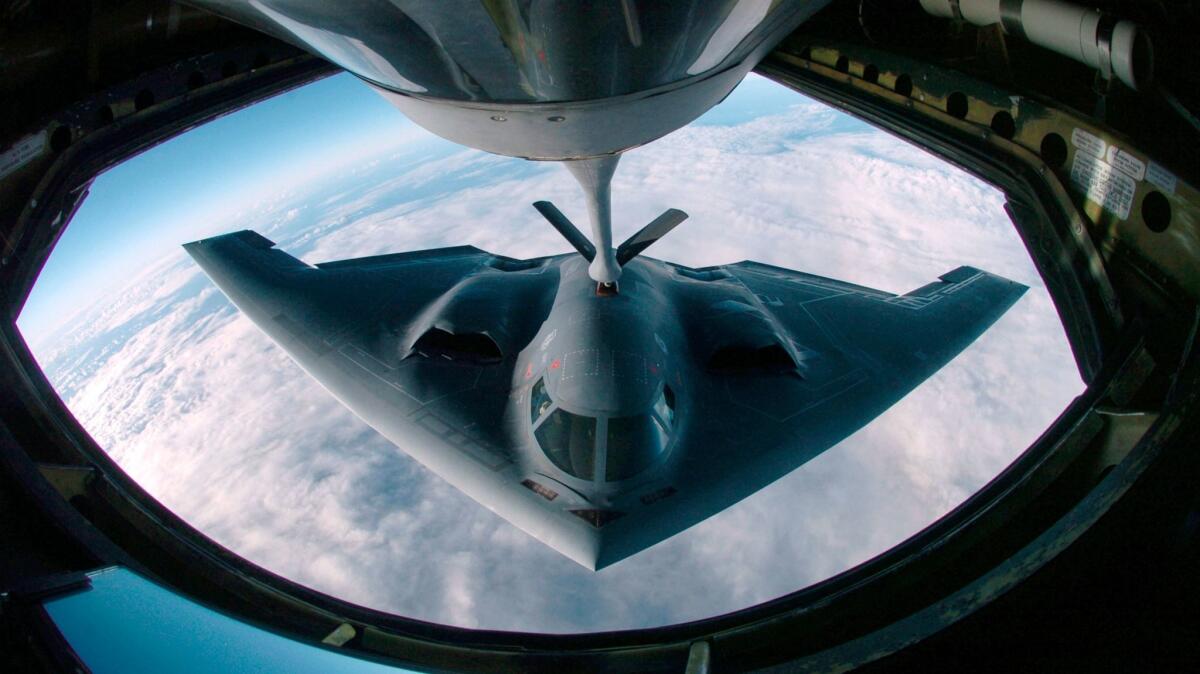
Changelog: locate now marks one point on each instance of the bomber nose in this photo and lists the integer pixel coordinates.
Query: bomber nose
(608, 381)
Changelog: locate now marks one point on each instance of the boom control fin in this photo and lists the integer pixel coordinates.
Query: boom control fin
(568, 229)
(595, 176)
(652, 232)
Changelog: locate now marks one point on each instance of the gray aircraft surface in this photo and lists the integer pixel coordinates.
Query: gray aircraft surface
(602, 418)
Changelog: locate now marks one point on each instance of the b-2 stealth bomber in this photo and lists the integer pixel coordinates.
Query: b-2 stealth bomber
(602, 418)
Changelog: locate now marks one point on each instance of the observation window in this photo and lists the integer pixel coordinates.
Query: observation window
(142, 393)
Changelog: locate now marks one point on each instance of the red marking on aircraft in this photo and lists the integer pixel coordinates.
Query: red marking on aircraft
(528, 371)
(555, 364)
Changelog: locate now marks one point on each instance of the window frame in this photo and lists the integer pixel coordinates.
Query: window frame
(664, 426)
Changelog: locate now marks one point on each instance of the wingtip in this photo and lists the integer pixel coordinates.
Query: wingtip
(966, 272)
(247, 236)
(195, 249)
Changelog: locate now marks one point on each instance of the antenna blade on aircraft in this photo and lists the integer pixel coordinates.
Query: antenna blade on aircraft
(652, 232)
(564, 226)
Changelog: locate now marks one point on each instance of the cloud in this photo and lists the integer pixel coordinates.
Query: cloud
(215, 421)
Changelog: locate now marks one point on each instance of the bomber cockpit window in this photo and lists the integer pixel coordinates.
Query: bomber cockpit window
(665, 407)
(539, 401)
(633, 444)
(570, 442)
(636, 442)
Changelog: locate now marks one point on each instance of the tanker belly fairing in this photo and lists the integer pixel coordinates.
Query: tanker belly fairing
(601, 423)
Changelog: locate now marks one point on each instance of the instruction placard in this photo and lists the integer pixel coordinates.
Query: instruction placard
(21, 153)
(1123, 161)
(1103, 184)
(1087, 142)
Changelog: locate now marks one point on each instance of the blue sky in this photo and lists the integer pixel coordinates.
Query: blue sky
(134, 210)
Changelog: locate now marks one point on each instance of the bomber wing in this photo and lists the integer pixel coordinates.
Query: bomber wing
(419, 345)
(787, 365)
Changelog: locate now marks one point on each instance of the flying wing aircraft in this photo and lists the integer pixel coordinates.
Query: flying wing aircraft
(602, 417)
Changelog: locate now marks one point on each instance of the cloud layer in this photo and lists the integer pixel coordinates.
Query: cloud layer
(216, 422)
